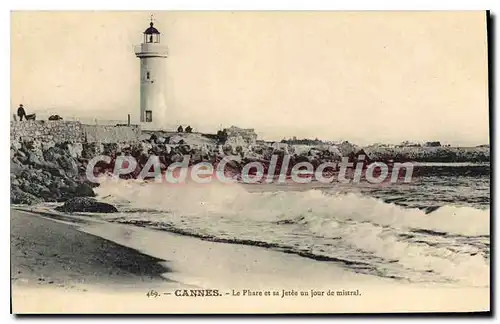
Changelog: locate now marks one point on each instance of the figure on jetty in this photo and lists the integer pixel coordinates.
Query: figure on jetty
(21, 112)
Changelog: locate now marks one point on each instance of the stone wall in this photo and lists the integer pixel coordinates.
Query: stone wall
(59, 131)
(56, 131)
(111, 134)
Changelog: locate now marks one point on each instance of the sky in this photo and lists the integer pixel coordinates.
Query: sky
(366, 77)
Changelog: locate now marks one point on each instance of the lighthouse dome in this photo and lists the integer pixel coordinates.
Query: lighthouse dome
(151, 30)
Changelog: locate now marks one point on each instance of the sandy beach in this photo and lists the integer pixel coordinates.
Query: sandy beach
(47, 253)
(88, 266)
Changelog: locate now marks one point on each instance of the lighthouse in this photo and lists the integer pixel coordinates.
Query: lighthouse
(152, 55)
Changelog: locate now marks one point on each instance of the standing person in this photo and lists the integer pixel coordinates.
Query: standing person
(20, 112)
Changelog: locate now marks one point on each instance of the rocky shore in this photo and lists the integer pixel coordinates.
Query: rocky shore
(44, 171)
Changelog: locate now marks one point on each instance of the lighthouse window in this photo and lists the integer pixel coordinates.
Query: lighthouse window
(149, 116)
(147, 75)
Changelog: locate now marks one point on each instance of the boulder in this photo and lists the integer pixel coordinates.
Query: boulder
(15, 144)
(15, 168)
(176, 158)
(69, 165)
(47, 145)
(84, 190)
(14, 181)
(87, 205)
(21, 157)
(52, 154)
(17, 196)
(75, 149)
(33, 188)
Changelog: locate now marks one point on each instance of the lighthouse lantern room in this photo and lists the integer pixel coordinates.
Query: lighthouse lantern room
(152, 55)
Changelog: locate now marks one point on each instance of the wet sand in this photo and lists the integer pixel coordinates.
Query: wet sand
(45, 252)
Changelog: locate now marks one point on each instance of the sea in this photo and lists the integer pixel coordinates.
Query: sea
(435, 228)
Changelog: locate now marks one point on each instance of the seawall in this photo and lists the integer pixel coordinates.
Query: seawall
(58, 131)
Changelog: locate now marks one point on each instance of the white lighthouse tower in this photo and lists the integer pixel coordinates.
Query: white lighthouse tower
(153, 76)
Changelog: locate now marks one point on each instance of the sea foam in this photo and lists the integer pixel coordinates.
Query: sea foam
(448, 244)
